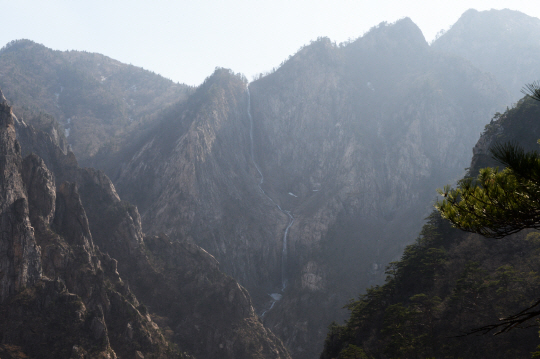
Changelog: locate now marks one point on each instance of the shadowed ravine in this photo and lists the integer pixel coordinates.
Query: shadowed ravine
(275, 296)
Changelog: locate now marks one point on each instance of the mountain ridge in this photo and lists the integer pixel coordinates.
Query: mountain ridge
(178, 284)
(348, 139)
(502, 42)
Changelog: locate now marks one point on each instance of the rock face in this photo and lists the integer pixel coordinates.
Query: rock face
(19, 255)
(203, 311)
(60, 296)
(340, 149)
(207, 185)
(347, 139)
(361, 135)
(502, 42)
(431, 297)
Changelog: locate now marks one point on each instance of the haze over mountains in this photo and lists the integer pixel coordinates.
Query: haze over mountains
(349, 141)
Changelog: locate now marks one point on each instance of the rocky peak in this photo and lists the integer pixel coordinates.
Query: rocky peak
(70, 218)
(40, 187)
(200, 308)
(20, 264)
(45, 230)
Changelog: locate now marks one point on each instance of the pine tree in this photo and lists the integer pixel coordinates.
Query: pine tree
(499, 203)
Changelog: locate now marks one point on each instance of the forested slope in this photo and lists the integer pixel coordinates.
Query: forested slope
(450, 282)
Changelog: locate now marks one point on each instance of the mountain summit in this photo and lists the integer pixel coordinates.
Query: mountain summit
(502, 42)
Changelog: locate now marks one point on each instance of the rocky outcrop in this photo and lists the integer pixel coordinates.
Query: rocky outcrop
(518, 124)
(207, 184)
(198, 307)
(352, 140)
(60, 296)
(20, 264)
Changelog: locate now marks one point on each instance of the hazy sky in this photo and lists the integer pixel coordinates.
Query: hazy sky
(185, 40)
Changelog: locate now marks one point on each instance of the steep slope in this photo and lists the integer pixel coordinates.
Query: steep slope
(199, 308)
(206, 188)
(297, 186)
(502, 42)
(60, 296)
(358, 134)
(19, 264)
(450, 282)
(99, 102)
(347, 139)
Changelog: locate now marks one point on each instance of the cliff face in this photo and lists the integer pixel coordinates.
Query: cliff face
(19, 255)
(347, 139)
(178, 284)
(61, 297)
(450, 282)
(359, 135)
(206, 190)
(502, 42)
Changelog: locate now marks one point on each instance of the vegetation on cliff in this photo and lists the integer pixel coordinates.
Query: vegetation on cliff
(451, 282)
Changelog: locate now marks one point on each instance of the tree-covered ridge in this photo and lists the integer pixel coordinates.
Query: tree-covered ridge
(450, 282)
(100, 102)
(446, 284)
(497, 203)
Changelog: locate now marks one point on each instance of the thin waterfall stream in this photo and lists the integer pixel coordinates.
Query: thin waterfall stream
(284, 280)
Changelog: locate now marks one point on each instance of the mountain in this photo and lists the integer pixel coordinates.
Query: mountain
(450, 282)
(359, 133)
(98, 102)
(60, 295)
(302, 185)
(345, 141)
(147, 296)
(502, 42)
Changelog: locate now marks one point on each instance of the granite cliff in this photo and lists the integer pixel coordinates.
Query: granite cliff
(60, 295)
(57, 283)
(345, 139)
(301, 185)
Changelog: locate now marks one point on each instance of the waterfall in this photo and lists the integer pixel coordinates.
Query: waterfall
(261, 181)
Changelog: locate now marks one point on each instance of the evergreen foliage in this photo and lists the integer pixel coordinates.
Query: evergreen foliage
(497, 203)
(450, 283)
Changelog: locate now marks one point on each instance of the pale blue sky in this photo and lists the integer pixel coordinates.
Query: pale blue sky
(185, 40)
